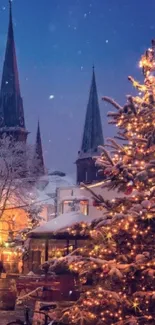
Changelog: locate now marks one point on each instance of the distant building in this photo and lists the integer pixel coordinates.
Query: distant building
(87, 172)
(12, 123)
(46, 191)
(12, 120)
(76, 198)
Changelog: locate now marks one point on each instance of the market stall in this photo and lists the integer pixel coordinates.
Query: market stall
(53, 240)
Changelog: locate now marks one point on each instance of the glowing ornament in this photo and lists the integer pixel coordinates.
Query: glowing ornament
(129, 188)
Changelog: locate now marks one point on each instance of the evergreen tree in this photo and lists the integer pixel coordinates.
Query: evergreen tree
(117, 265)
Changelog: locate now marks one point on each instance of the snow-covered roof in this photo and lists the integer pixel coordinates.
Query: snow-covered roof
(62, 222)
(47, 185)
(51, 182)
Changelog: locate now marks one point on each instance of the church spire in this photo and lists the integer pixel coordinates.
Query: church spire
(92, 135)
(11, 104)
(39, 153)
(87, 171)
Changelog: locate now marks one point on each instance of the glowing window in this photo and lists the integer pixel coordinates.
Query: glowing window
(75, 205)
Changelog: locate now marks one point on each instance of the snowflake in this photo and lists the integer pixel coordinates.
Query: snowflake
(51, 96)
(52, 27)
(79, 52)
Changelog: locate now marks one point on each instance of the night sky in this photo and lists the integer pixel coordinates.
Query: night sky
(57, 42)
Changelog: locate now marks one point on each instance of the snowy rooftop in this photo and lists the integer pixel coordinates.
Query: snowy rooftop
(47, 185)
(62, 222)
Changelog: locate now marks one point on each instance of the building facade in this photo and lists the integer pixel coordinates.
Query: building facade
(76, 198)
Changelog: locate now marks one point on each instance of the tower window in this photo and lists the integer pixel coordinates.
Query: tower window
(86, 176)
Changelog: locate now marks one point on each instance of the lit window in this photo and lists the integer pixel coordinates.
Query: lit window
(75, 205)
(84, 207)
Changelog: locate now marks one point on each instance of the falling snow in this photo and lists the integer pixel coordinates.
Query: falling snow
(58, 56)
(51, 97)
(79, 52)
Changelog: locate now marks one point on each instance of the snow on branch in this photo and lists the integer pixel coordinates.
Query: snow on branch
(18, 171)
(112, 102)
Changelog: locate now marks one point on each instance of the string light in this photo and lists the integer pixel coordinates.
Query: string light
(117, 266)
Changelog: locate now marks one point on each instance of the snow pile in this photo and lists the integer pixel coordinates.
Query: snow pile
(62, 222)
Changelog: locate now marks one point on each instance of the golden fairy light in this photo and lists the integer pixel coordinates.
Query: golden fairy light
(117, 267)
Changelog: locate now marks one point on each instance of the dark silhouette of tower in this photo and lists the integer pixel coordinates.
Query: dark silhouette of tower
(38, 156)
(12, 120)
(87, 172)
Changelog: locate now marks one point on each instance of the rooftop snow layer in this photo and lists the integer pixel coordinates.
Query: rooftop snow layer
(62, 222)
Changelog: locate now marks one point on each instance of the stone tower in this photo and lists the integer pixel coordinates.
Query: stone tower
(12, 120)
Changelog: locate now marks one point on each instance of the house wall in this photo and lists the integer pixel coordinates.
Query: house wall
(78, 192)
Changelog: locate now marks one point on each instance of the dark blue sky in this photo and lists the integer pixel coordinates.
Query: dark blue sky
(57, 42)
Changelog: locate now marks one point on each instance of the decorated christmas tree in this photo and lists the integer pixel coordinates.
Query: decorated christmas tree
(117, 265)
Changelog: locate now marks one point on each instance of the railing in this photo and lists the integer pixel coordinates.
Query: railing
(63, 287)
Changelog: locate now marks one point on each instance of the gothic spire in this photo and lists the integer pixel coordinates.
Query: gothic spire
(92, 135)
(11, 104)
(39, 153)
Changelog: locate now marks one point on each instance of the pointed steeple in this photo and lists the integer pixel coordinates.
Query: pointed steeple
(39, 153)
(11, 104)
(92, 135)
(87, 171)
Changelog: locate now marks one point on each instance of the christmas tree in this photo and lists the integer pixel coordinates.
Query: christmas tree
(117, 265)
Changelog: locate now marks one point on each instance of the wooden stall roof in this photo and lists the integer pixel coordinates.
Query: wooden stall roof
(57, 228)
